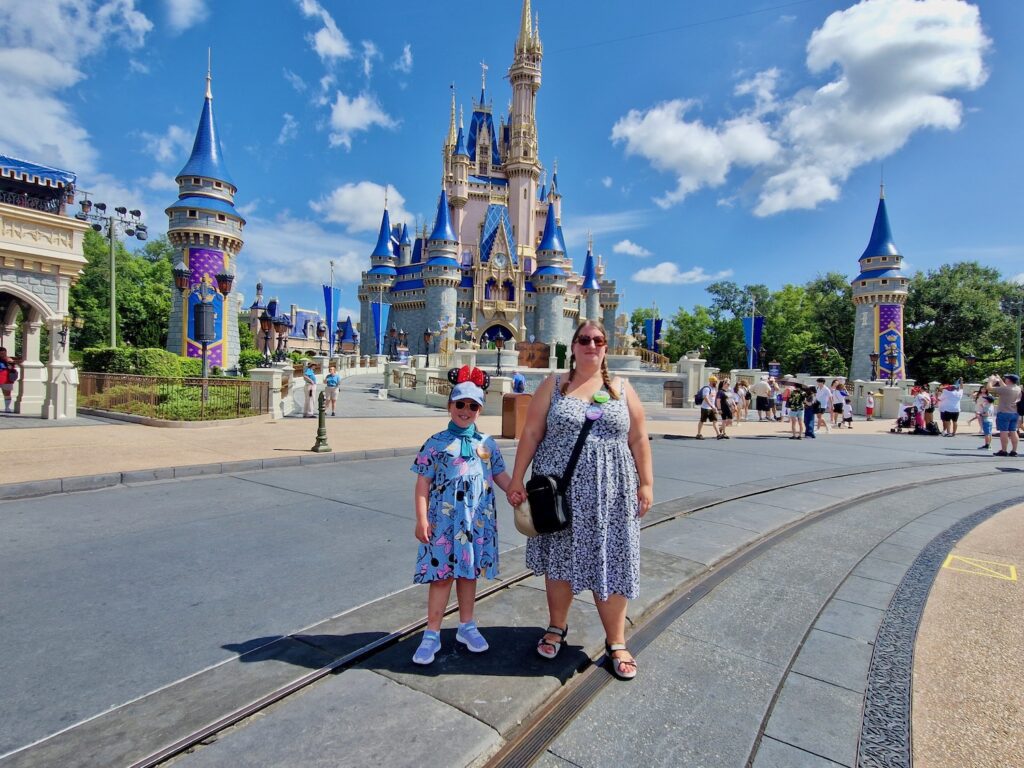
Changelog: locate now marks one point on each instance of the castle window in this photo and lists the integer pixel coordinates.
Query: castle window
(863, 283)
(196, 181)
(885, 282)
(885, 258)
(221, 217)
(193, 214)
(489, 289)
(217, 185)
(524, 193)
(510, 291)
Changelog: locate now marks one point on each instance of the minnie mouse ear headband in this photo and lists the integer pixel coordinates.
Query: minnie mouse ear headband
(470, 384)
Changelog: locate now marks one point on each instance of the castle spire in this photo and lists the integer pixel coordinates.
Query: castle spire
(207, 158)
(881, 243)
(525, 39)
(443, 223)
(451, 121)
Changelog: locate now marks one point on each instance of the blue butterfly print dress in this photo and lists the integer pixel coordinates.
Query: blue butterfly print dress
(460, 507)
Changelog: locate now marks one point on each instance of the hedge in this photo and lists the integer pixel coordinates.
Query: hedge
(140, 362)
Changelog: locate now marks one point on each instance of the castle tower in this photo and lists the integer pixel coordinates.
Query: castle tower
(460, 178)
(590, 289)
(879, 293)
(522, 165)
(441, 274)
(206, 231)
(374, 292)
(550, 283)
(609, 302)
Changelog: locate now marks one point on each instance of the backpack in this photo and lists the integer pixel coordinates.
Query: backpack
(699, 397)
(1020, 407)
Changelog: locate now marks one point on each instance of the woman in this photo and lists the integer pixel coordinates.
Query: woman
(611, 489)
(724, 400)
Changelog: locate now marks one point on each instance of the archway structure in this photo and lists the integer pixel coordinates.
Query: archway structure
(41, 257)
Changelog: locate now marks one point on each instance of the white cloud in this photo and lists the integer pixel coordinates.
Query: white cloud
(161, 182)
(42, 49)
(580, 227)
(891, 63)
(359, 206)
(138, 67)
(370, 53)
(289, 130)
(606, 182)
(328, 41)
(667, 273)
(404, 63)
(630, 248)
(182, 14)
(175, 144)
(357, 114)
(296, 82)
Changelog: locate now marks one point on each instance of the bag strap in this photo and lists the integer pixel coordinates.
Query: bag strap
(570, 468)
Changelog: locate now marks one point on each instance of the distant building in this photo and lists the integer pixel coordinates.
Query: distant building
(495, 262)
(879, 293)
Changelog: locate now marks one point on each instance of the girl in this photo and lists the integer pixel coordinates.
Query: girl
(456, 517)
(331, 388)
(724, 407)
(848, 414)
(795, 407)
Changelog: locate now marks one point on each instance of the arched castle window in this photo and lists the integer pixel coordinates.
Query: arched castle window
(510, 291)
(490, 288)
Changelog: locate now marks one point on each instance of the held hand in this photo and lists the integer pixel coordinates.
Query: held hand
(515, 493)
(645, 496)
(423, 531)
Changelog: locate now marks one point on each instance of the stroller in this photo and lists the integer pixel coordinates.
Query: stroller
(906, 420)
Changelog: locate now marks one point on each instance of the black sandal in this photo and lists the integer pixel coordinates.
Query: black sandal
(557, 644)
(618, 664)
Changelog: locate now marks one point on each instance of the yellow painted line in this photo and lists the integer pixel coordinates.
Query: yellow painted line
(1003, 571)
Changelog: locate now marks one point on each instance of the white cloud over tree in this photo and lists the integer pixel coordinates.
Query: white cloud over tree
(668, 273)
(888, 68)
(359, 207)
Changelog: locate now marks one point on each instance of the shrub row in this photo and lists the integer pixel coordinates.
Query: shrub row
(140, 362)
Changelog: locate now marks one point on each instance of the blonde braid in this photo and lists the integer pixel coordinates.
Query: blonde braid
(606, 377)
(572, 374)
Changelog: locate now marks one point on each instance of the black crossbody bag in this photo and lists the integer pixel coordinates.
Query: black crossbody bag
(549, 495)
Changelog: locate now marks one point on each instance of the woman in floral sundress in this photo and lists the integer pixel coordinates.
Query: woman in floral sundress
(612, 488)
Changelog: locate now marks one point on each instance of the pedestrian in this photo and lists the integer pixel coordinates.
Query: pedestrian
(1007, 390)
(762, 398)
(869, 407)
(823, 404)
(8, 375)
(724, 402)
(743, 393)
(776, 399)
(795, 406)
(331, 382)
(848, 414)
(456, 514)
(611, 489)
(986, 412)
(838, 399)
(309, 383)
(949, 407)
(708, 407)
(810, 410)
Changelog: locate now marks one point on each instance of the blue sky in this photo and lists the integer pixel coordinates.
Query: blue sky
(741, 139)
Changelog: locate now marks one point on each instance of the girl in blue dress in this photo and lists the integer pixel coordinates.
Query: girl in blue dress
(456, 516)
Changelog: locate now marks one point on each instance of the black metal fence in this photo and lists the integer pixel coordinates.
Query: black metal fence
(192, 399)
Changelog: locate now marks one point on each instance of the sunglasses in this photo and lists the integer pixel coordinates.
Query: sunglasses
(460, 404)
(585, 341)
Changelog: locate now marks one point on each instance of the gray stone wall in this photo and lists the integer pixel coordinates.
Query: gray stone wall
(42, 286)
(863, 342)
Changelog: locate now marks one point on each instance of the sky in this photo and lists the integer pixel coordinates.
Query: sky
(741, 139)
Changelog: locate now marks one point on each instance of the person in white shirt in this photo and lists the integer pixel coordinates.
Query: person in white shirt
(986, 412)
(762, 391)
(949, 407)
(869, 407)
(823, 403)
(708, 407)
(848, 414)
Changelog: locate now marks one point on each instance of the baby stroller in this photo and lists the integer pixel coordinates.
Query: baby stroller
(906, 419)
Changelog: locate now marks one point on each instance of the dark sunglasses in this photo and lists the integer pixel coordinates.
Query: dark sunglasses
(584, 341)
(460, 404)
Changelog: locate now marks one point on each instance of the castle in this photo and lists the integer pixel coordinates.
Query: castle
(495, 264)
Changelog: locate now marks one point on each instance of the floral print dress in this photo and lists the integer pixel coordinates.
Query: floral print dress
(601, 550)
(460, 508)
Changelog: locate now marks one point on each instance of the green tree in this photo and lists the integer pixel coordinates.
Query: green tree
(955, 311)
(833, 312)
(636, 322)
(246, 340)
(143, 293)
(687, 332)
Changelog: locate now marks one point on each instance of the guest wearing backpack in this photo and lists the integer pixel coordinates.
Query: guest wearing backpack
(8, 375)
(705, 398)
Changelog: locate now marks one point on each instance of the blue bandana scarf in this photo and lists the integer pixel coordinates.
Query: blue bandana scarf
(466, 435)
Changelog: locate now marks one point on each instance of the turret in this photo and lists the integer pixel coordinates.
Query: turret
(376, 286)
(879, 293)
(441, 272)
(550, 282)
(521, 164)
(206, 232)
(590, 289)
(460, 177)
(404, 248)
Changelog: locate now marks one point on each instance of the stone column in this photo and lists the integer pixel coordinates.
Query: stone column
(273, 377)
(61, 377)
(30, 392)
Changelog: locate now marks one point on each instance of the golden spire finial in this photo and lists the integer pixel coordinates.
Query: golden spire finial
(590, 241)
(525, 33)
(451, 120)
(483, 77)
(209, 67)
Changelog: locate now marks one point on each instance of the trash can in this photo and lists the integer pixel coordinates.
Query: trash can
(513, 414)
(672, 394)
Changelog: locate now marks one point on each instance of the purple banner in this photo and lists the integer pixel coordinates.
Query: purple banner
(206, 263)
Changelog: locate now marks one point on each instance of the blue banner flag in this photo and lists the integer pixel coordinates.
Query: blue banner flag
(332, 300)
(752, 329)
(652, 330)
(380, 323)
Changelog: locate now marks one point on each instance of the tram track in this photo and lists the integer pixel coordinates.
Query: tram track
(530, 739)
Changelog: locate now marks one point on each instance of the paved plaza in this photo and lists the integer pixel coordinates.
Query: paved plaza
(208, 569)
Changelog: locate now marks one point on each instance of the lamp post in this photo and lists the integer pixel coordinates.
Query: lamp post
(321, 332)
(202, 313)
(499, 342)
(282, 324)
(337, 337)
(427, 336)
(971, 360)
(892, 359)
(873, 357)
(393, 343)
(266, 323)
(131, 223)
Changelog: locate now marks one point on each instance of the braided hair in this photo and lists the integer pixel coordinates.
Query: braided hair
(605, 376)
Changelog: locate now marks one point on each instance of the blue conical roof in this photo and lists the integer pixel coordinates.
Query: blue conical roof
(551, 241)
(443, 224)
(589, 276)
(383, 249)
(881, 243)
(404, 239)
(460, 145)
(207, 157)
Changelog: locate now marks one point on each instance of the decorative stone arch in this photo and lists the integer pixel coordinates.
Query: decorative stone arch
(492, 330)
